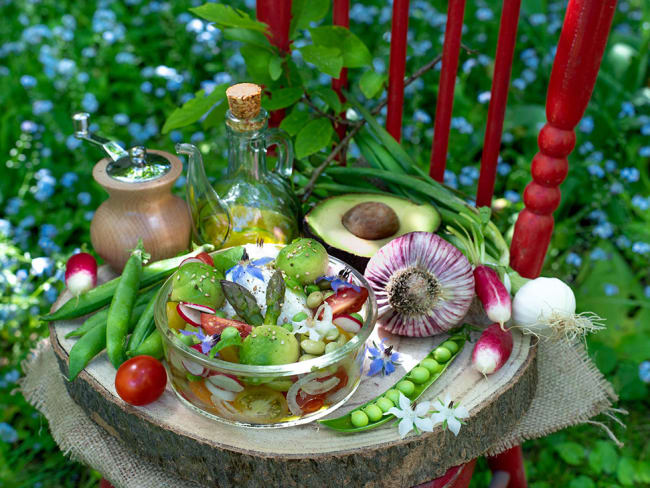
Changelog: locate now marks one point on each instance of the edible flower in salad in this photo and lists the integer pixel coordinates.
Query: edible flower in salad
(337, 282)
(248, 267)
(382, 359)
(207, 341)
(316, 328)
(411, 418)
(449, 415)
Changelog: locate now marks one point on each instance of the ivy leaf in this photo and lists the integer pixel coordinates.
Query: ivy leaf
(625, 471)
(282, 98)
(329, 96)
(248, 36)
(257, 63)
(194, 109)
(603, 457)
(371, 83)
(570, 452)
(226, 16)
(327, 59)
(304, 12)
(313, 137)
(275, 67)
(295, 121)
(355, 52)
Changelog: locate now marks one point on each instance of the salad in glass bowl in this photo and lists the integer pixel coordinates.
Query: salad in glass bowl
(265, 335)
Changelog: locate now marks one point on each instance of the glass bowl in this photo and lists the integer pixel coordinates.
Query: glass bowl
(261, 396)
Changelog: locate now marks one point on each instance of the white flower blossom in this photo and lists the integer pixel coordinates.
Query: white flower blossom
(315, 327)
(447, 415)
(411, 418)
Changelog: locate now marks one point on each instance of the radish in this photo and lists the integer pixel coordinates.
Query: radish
(493, 294)
(492, 349)
(226, 382)
(227, 396)
(191, 312)
(80, 273)
(348, 323)
(192, 259)
(195, 368)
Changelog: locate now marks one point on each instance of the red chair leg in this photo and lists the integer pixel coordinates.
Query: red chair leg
(456, 477)
(511, 462)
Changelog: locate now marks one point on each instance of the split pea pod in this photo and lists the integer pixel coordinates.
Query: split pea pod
(151, 346)
(412, 385)
(119, 312)
(144, 326)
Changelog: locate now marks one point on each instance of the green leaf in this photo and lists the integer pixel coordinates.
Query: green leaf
(526, 117)
(643, 472)
(257, 63)
(326, 59)
(282, 98)
(603, 355)
(295, 121)
(304, 12)
(582, 482)
(226, 16)
(570, 452)
(603, 457)
(313, 137)
(248, 36)
(216, 116)
(625, 471)
(328, 96)
(627, 382)
(355, 52)
(225, 260)
(371, 83)
(193, 109)
(275, 67)
(232, 341)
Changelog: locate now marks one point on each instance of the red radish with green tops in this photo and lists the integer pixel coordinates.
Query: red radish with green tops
(493, 294)
(80, 273)
(492, 349)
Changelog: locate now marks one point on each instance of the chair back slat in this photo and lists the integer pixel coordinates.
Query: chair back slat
(397, 67)
(445, 100)
(498, 100)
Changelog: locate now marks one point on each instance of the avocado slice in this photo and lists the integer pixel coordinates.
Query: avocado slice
(325, 223)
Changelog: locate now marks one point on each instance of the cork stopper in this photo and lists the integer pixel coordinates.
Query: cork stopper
(245, 100)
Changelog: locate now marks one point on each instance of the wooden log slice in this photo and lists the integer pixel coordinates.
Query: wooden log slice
(217, 454)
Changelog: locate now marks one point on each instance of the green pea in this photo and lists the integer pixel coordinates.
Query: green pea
(419, 375)
(373, 412)
(299, 317)
(229, 333)
(288, 326)
(311, 289)
(331, 347)
(432, 365)
(359, 418)
(405, 386)
(451, 345)
(313, 347)
(315, 299)
(332, 334)
(384, 403)
(393, 396)
(442, 354)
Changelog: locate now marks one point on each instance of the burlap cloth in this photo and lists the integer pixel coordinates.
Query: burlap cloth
(570, 391)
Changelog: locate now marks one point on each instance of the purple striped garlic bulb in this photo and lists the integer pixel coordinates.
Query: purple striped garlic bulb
(424, 285)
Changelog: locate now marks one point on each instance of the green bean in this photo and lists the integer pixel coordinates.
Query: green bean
(151, 346)
(119, 313)
(101, 295)
(412, 390)
(144, 326)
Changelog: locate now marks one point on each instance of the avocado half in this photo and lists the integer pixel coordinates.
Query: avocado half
(324, 222)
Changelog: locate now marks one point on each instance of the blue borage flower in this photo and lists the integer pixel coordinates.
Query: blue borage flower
(382, 359)
(337, 282)
(207, 341)
(250, 267)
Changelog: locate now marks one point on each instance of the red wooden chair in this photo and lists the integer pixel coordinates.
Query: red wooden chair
(579, 52)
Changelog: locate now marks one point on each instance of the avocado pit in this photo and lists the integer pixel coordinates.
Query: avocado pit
(371, 220)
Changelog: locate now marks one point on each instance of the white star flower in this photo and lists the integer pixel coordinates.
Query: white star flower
(411, 418)
(449, 416)
(315, 327)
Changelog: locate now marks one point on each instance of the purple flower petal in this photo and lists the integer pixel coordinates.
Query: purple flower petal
(255, 272)
(374, 352)
(262, 261)
(192, 333)
(389, 367)
(238, 273)
(206, 346)
(376, 366)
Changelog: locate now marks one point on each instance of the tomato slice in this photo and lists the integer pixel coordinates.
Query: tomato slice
(206, 258)
(309, 403)
(214, 325)
(261, 404)
(347, 301)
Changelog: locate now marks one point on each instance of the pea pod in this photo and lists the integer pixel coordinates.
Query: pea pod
(145, 325)
(98, 317)
(344, 423)
(101, 295)
(151, 346)
(274, 298)
(119, 313)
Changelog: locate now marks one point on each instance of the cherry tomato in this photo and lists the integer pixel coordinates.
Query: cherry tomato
(214, 325)
(140, 380)
(261, 404)
(206, 258)
(347, 301)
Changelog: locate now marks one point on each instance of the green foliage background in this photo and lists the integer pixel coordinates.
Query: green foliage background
(134, 64)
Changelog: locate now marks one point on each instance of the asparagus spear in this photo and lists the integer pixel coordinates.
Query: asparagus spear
(243, 302)
(274, 298)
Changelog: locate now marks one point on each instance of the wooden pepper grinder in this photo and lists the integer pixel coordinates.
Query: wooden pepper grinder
(140, 204)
